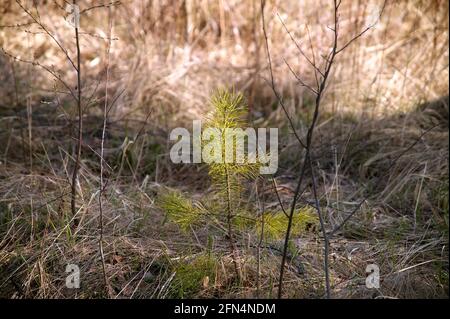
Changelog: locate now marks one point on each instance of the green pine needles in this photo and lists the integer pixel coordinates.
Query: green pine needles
(275, 224)
(181, 210)
(229, 111)
(223, 207)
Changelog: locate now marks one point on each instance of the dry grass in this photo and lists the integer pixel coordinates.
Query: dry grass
(166, 58)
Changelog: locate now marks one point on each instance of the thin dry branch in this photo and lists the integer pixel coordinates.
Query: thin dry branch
(44, 28)
(106, 5)
(307, 161)
(272, 80)
(311, 62)
(319, 95)
(360, 34)
(102, 149)
(46, 68)
(80, 124)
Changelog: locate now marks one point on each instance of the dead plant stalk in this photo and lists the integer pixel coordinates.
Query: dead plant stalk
(80, 123)
(102, 149)
(321, 77)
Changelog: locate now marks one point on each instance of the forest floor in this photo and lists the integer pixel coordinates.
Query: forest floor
(402, 227)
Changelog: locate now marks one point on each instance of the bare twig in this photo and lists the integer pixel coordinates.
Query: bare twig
(80, 124)
(44, 67)
(44, 28)
(259, 246)
(275, 187)
(324, 231)
(102, 187)
(360, 34)
(106, 5)
(277, 95)
(299, 80)
(307, 157)
(311, 62)
(319, 92)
